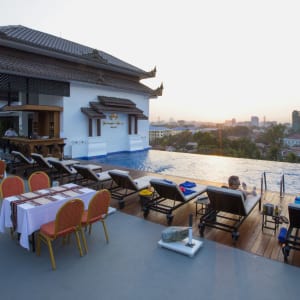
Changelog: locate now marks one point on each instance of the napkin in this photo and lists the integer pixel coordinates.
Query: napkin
(30, 195)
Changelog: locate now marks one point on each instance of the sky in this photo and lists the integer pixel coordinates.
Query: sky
(217, 59)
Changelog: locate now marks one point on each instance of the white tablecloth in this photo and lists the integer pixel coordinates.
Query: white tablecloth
(30, 217)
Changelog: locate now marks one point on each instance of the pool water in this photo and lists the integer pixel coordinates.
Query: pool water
(209, 167)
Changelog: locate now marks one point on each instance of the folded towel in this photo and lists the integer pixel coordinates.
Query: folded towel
(188, 192)
(188, 184)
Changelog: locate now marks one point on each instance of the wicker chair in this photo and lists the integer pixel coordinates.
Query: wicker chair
(97, 211)
(67, 221)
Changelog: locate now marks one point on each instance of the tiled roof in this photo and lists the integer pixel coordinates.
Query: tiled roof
(33, 65)
(44, 41)
(113, 105)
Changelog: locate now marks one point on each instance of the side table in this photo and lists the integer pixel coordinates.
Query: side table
(270, 217)
(204, 202)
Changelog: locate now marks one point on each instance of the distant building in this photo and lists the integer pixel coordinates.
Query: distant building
(254, 121)
(296, 121)
(292, 140)
(229, 123)
(156, 132)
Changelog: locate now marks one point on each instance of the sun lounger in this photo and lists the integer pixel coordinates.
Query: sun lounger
(292, 238)
(88, 177)
(42, 163)
(229, 206)
(125, 185)
(168, 196)
(20, 160)
(63, 171)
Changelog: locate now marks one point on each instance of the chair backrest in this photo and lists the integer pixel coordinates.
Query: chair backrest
(38, 180)
(41, 161)
(2, 169)
(21, 157)
(123, 180)
(12, 185)
(167, 190)
(61, 168)
(68, 217)
(98, 206)
(227, 200)
(294, 215)
(86, 173)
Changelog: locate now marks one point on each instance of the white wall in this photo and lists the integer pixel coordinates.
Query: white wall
(114, 137)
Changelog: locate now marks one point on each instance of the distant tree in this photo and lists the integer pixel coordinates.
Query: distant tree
(243, 147)
(292, 157)
(273, 137)
(240, 131)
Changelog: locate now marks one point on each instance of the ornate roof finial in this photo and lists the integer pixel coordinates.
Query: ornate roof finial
(159, 90)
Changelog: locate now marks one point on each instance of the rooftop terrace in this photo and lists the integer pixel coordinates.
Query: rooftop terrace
(132, 266)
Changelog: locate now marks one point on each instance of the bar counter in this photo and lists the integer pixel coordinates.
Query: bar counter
(39, 145)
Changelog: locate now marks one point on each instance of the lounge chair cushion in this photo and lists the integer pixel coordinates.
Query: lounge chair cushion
(172, 189)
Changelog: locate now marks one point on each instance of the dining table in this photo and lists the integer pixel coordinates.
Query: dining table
(25, 213)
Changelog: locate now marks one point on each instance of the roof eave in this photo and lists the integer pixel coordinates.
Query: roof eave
(71, 58)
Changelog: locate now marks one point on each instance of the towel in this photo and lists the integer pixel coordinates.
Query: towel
(188, 184)
(188, 192)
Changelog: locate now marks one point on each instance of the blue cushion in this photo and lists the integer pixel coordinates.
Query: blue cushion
(282, 235)
(188, 184)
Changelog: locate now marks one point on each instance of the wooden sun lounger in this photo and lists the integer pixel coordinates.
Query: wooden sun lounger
(227, 205)
(63, 171)
(43, 164)
(20, 160)
(88, 177)
(164, 191)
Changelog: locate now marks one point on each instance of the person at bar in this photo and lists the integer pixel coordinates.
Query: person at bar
(10, 132)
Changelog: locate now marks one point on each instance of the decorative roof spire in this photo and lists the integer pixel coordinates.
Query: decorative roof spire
(158, 92)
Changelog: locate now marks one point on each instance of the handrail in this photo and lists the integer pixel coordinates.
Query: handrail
(263, 183)
(282, 185)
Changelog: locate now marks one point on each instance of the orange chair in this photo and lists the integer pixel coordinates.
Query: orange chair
(11, 186)
(97, 211)
(38, 180)
(68, 220)
(2, 169)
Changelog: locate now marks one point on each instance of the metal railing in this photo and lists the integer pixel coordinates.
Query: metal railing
(264, 187)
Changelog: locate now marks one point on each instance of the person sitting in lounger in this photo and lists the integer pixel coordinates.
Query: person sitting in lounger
(234, 183)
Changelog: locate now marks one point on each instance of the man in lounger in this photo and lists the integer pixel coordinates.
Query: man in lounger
(234, 183)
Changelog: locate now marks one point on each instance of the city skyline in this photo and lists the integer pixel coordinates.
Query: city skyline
(216, 59)
(261, 120)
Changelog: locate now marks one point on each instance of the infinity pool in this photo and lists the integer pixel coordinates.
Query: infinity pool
(208, 167)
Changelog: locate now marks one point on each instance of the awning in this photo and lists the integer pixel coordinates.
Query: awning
(113, 105)
(92, 114)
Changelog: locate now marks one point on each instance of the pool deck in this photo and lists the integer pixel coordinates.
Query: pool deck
(251, 239)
